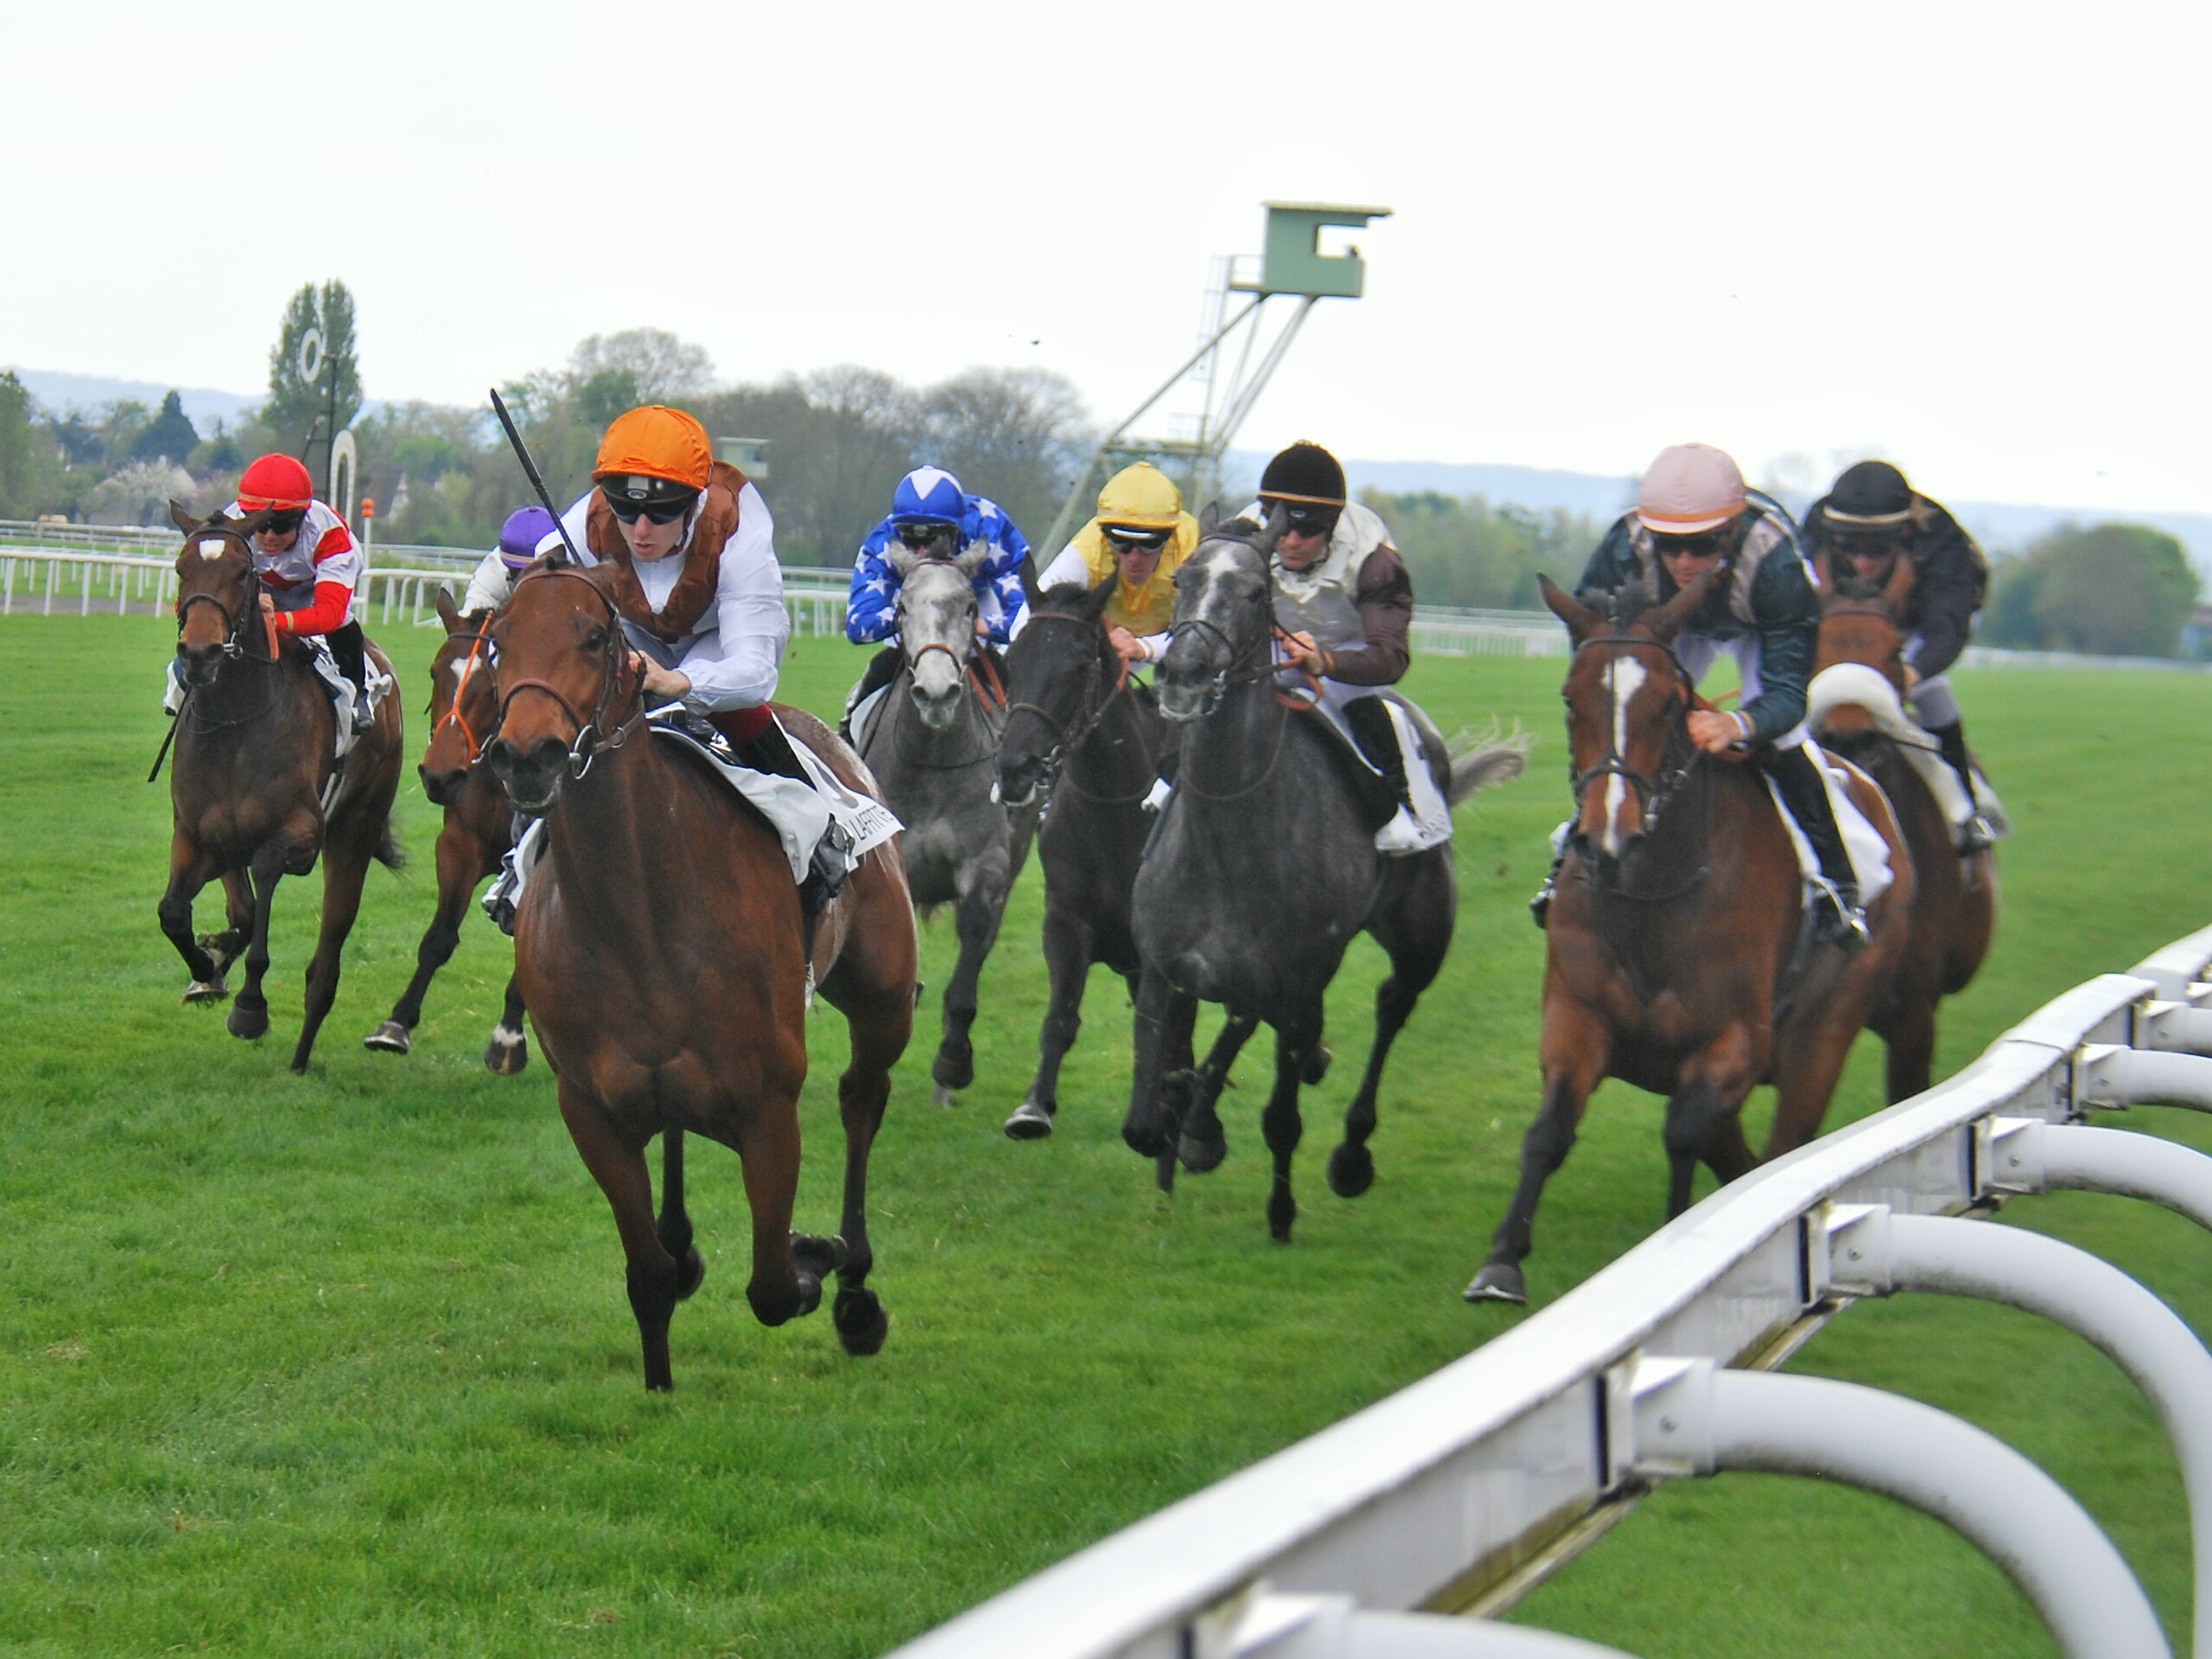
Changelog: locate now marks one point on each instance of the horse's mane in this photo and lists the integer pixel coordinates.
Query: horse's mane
(1062, 597)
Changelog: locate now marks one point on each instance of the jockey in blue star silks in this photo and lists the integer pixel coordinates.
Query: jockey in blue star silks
(932, 517)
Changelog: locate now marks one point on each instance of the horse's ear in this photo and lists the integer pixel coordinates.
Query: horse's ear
(183, 520)
(1278, 522)
(449, 613)
(900, 557)
(1210, 518)
(969, 561)
(1668, 619)
(1095, 604)
(1895, 590)
(1030, 588)
(1580, 618)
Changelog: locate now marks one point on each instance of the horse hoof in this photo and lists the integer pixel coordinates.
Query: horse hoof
(860, 1321)
(940, 1095)
(809, 1296)
(1498, 1282)
(691, 1272)
(390, 1037)
(245, 1022)
(206, 990)
(508, 1054)
(1202, 1157)
(1351, 1170)
(953, 1068)
(1317, 1065)
(1146, 1141)
(1030, 1121)
(1282, 1213)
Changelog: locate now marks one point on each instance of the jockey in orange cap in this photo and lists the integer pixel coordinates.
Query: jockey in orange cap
(696, 580)
(309, 565)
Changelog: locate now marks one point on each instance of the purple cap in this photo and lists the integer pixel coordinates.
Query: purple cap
(519, 536)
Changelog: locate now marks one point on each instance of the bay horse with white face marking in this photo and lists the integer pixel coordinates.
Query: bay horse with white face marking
(658, 944)
(255, 754)
(479, 828)
(1954, 900)
(1676, 953)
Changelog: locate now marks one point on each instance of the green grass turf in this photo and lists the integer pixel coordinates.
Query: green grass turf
(343, 1366)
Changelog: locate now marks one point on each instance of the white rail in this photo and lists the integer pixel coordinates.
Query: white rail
(1459, 1493)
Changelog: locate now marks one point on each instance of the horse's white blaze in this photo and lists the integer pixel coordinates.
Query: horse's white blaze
(1626, 675)
(212, 548)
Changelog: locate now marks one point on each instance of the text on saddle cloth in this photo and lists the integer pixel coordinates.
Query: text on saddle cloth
(1856, 685)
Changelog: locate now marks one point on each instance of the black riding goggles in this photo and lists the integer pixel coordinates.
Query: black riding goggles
(918, 535)
(1137, 541)
(653, 512)
(1312, 521)
(284, 522)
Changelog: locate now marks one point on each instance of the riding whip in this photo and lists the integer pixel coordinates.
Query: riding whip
(530, 470)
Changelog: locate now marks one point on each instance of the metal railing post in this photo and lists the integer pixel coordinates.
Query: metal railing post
(1685, 1417)
(1874, 1251)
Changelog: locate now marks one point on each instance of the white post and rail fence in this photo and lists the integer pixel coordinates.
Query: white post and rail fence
(85, 569)
(1398, 1533)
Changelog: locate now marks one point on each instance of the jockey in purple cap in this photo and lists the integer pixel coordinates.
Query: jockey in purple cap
(495, 577)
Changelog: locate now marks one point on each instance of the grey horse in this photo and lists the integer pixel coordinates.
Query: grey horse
(1262, 869)
(932, 742)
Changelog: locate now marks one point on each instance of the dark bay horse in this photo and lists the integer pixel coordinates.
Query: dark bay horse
(479, 828)
(1955, 901)
(1082, 736)
(1676, 953)
(659, 950)
(1262, 870)
(255, 754)
(933, 743)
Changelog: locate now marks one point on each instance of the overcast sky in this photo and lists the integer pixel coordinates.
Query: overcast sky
(1970, 236)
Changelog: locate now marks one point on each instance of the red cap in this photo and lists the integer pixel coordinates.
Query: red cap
(277, 482)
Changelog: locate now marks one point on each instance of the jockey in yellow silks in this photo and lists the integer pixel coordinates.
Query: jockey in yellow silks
(1141, 536)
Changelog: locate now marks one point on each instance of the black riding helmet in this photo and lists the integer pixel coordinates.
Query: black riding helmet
(1309, 483)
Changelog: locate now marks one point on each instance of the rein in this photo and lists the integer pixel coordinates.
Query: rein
(592, 738)
(1654, 794)
(1090, 709)
(454, 715)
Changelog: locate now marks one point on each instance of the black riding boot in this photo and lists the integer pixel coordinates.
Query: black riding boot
(1369, 720)
(348, 646)
(882, 669)
(1837, 919)
(772, 752)
(1975, 836)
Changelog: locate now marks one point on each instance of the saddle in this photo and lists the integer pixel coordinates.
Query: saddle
(1370, 792)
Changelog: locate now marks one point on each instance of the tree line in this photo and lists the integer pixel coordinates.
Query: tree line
(835, 442)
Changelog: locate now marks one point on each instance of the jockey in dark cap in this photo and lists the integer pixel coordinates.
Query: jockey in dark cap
(1694, 517)
(1857, 533)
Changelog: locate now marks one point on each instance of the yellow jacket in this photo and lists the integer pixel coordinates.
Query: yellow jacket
(1139, 497)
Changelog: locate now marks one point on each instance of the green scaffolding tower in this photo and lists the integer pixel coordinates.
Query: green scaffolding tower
(1292, 267)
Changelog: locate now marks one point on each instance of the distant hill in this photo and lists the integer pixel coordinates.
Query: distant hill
(62, 392)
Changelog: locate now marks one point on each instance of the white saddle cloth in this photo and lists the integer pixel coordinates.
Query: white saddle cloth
(1870, 853)
(1869, 689)
(801, 815)
(352, 720)
(1430, 824)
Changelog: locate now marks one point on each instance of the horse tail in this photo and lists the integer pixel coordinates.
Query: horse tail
(389, 853)
(1489, 759)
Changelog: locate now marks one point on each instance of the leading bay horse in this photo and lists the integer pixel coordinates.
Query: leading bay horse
(479, 828)
(1676, 954)
(932, 742)
(255, 756)
(1954, 900)
(658, 945)
(1262, 870)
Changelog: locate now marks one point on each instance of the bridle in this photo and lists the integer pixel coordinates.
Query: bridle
(1877, 606)
(1090, 708)
(1652, 793)
(1248, 663)
(233, 645)
(453, 714)
(592, 737)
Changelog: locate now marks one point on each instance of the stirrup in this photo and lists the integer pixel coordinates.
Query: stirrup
(1838, 917)
(1975, 836)
(1540, 906)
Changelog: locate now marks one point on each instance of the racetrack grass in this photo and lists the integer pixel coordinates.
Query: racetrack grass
(343, 1366)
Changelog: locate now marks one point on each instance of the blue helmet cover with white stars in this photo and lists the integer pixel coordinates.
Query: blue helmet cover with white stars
(929, 495)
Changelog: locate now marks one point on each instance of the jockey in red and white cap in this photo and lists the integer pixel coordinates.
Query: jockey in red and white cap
(309, 564)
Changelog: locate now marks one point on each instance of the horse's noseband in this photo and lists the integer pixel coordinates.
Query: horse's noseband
(1652, 794)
